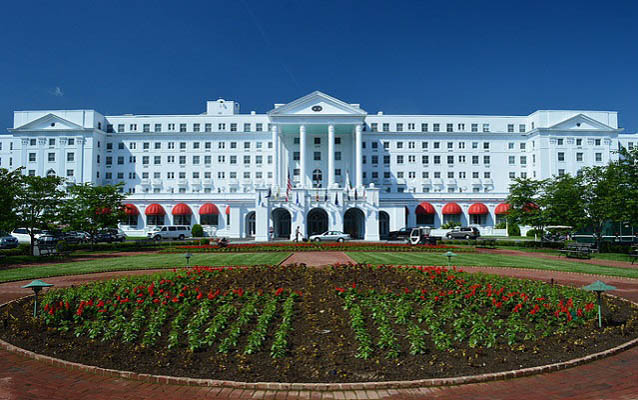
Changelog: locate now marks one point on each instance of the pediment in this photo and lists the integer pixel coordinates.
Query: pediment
(317, 104)
(50, 122)
(581, 122)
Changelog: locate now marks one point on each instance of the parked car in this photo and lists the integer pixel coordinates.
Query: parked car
(466, 232)
(109, 236)
(49, 238)
(7, 241)
(22, 234)
(180, 232)
(330, 236)
(401, 234)
(74, 237)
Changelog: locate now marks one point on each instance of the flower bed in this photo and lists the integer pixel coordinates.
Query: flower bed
(298, 324)
(321, 246)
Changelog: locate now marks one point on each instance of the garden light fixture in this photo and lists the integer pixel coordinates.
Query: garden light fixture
(599, 287)
(188, 256)
(36, 285)
(449, 256)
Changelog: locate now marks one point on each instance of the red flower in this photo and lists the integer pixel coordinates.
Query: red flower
(340, 290)
(279, 291)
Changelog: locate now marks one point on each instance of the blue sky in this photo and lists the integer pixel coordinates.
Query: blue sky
(443, 57)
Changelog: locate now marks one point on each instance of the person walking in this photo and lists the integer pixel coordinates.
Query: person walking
(297, 234)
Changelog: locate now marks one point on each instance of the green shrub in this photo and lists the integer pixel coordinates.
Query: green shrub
(513, 230)
(450, 225)
(534, 232)
(23, 249)
(500, 225)
(204, 242)
(197, 230)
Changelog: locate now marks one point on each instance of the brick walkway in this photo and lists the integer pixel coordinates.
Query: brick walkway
(615, 377)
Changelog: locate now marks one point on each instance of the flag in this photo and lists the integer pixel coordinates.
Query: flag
(348, 185)
(355, 194)
(336, 199)
(259, 201)
(297, 198)
(269, 193)
(325, 197)
(348, 194)
(288, 186)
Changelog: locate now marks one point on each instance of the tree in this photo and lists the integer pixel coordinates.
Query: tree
(625, 195)
(37, 203)
(527, 200)
(10, 182)
(92, 208)
(599, 197)
(564, 202)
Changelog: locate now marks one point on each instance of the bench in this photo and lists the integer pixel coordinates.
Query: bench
(485, 243)
(579, 250)
(47, 249)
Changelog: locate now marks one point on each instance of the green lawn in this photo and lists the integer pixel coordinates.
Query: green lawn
(140, 262)
(489, 260)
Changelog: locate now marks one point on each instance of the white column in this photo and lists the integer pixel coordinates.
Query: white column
(359, 168)
(302, 154)
(331, 156)
(275, 154)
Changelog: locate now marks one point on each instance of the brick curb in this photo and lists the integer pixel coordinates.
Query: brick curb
(321, 387)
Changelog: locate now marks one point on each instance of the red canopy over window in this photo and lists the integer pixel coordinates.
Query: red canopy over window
(502, 208)
(130, 209)
(227, 210)
(181, 209)
(209, 209)
(154, 209)
(424, 208)
(478, 209)
(452, 209)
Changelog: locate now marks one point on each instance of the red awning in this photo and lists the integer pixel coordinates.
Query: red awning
(478, 209)
(452, 209)
(154, 209)
(501, 209)
(227, 210)
(130, 209)
(181, 209)
(208, 209)
(425, 208)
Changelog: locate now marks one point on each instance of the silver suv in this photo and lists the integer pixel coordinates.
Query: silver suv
(466, 232)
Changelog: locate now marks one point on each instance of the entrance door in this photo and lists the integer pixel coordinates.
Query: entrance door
(317, 221)
(384, 224)
(281, 223)
(354, 223)
(250, 224)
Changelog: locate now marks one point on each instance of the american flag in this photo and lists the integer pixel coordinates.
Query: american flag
(288, 186)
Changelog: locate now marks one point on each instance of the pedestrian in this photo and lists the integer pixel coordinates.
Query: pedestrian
(297, 234)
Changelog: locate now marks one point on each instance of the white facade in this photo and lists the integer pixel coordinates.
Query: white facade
(243, 163)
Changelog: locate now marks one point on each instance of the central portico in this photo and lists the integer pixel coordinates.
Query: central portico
(317, 149)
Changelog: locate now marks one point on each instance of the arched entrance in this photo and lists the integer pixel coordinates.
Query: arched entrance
(384, 224)
(317, 221)
(281, 223)
(250, 224)
(354, 223)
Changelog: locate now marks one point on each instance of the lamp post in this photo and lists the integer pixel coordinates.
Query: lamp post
(449, 256)
(36, 285)
(599, 287)
(188, 256)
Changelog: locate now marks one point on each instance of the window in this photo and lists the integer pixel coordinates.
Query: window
(120, 128)
(510, 146)
(424, 145)
(561, 172)
(449, 127)
(69, 173)
(400, 174)
(486, 145)
(131, 159)
(425, 159)
(579, 156)
(511, 160)
(521, 128)
(579, 142)
(411, 126)
(386, 145)
(145, 160)
(486, 159)
(207, 160)
(221, 127)
(132, 127)
(561, 156)
(182, 145)
(338, 140)
(158, 127)
(475, 145)
(487, 175)
(51, 157)
(146, 145)
(196, 127)
(461, 127)
(109, 146)
(560, 142)
(597, 142)
(146, 128)
(386, 159)
(424, 127)
(486, 127)
(399, 159)
(51, 142)
(233, 159)
(171, 127)
(399, 127)
(233, 145)
(70, 157)
(182, 160)
(221, 175)
(512, 175)
(221, 159)
(437, 159)
(461, 145)
(157, 145)
(373, 127)
(221, 145)
(437, 145)
(259, 159)
(399, 145)
(317, 140)
(462, 159)
(474, 127)
(31, 157)
(246, 127)
(599, 156)
(425, 174)
(259, 127)
(338, 156)
(475, 159)
(450, 159)
(436, 127)
(523, 160)
(296, 156)
(246, 159)
(195, 160)
(246, 145)
(475, 175)
(410, 145)
(170, 159)
(522, 146)
(375, 159)
(120, 160)
(171, 145)
(510, 128)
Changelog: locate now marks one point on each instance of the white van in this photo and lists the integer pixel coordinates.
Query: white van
(170, 232)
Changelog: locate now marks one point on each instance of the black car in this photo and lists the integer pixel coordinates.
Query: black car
(401, 234)
(109, 236)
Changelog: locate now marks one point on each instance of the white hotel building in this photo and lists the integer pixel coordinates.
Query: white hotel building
(348, 170)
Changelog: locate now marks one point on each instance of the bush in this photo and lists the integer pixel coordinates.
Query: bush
(513, 230)
(204, 241)
(197, 230)
(450, 225)
(500, 225)
(534, 232)
(611, 247)
(23, 249)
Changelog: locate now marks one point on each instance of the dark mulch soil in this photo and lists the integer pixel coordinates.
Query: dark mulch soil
(322, 345)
